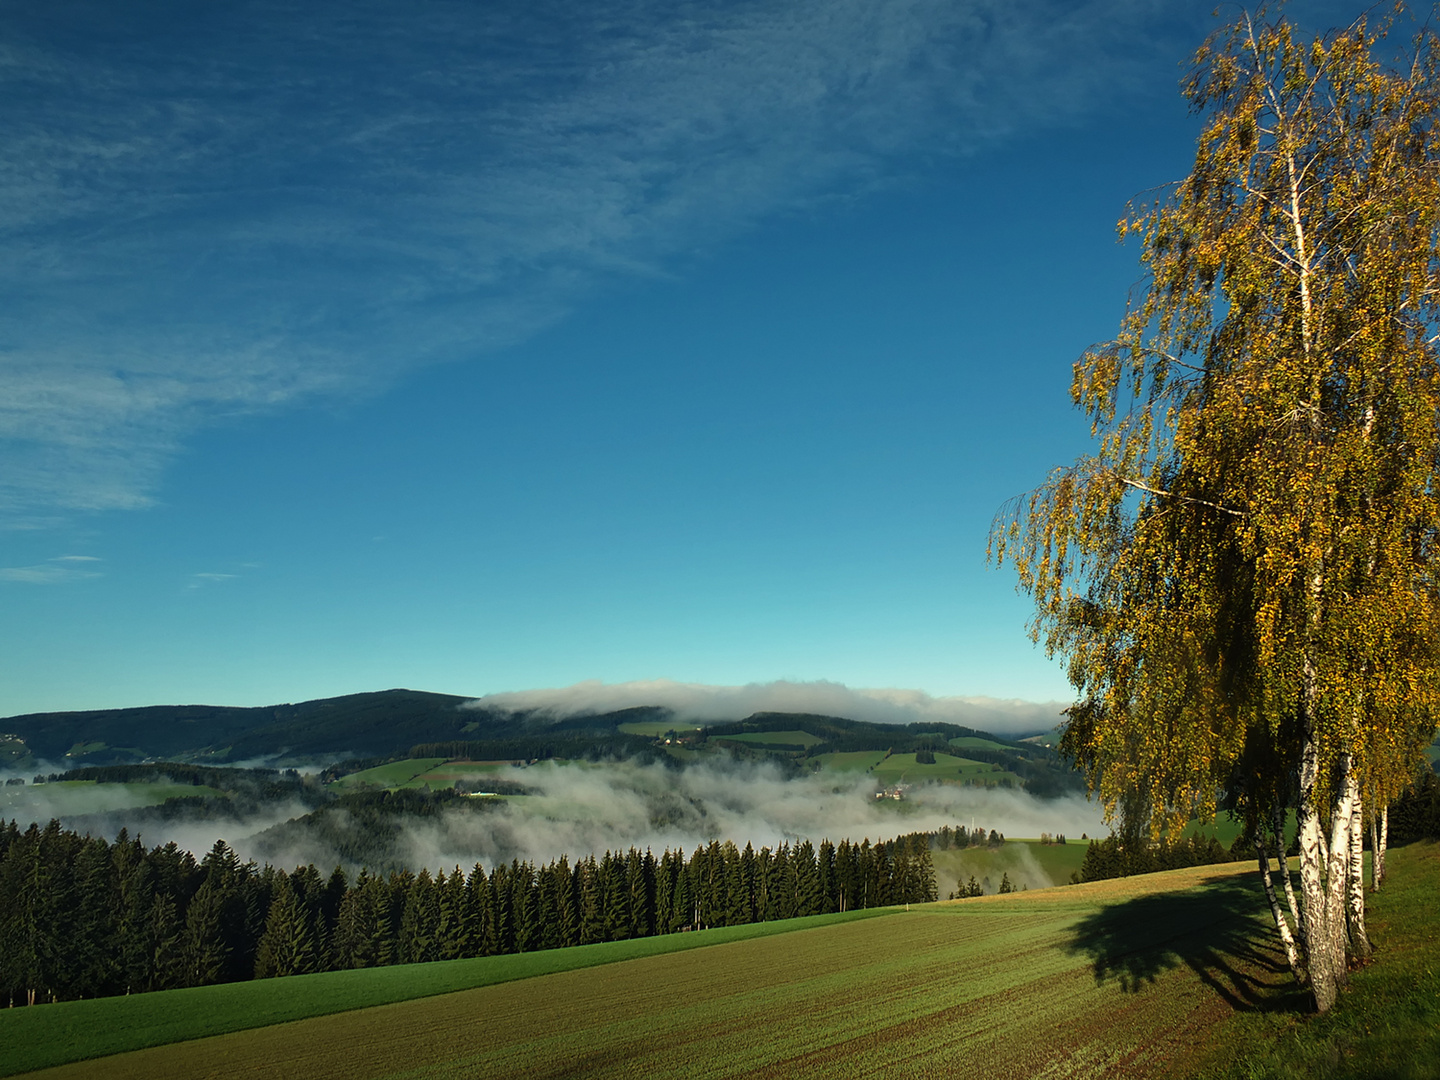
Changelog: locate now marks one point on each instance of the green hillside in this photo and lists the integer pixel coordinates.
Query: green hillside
(80, 1030)
(388, 727)
(367, 723)
(76, 797)
(1153, 976)
(1028, 864)
(903, 768)
(1040, 983)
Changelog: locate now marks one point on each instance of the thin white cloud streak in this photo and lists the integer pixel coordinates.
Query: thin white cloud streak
(61, 570)
(197, 229)
(698, 702)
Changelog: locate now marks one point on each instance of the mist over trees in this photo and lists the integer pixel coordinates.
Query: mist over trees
(1242, 575)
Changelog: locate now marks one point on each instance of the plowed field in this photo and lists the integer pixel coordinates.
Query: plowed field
(1110, 979)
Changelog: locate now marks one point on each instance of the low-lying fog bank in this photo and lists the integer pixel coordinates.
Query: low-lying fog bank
(577, 809)
(700, 703)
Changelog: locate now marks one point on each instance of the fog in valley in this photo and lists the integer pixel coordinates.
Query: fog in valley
(577, 809)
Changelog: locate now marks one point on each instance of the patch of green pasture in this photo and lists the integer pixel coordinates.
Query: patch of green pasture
(654, 729)
(394, 774)
(64, 798)
(69, 1031)
(1110, 978)
(446, 773)
(850, 760)
(773, 738)
(975, 742)
(898, 768)
(1028, 863)
(1386, 1022)
(1227, 829)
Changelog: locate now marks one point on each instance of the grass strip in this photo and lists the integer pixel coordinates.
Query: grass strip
(1118, 977)
(46, 1035)
(1386, 1022)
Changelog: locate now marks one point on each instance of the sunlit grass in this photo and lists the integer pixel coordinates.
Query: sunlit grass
(390, 775)
(773, 738)
(1386, 1022)
(1063, 983)
(1028, 863)
(903, 768)
(46, 1035)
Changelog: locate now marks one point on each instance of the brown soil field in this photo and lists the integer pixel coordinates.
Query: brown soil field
(1116, 978)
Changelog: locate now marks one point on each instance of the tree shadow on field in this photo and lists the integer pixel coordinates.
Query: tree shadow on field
(1220, 929)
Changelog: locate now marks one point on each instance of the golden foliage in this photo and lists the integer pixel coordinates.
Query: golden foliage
(1248, 556)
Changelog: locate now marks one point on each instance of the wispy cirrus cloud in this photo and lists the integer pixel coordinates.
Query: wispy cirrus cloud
(197, 580)
(59, 570)
(203, 578)
(254, 206)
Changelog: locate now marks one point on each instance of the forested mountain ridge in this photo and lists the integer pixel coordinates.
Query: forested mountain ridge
(376, 722)
(396, 723)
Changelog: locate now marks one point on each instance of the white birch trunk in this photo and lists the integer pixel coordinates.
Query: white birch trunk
(1278, 817)
(1282, 925)
(1337, 871)
(1377, 852)
(1360, 947)
(1374, 853)
(1320, 943)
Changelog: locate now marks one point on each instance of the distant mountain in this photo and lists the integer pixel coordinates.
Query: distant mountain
(392, 724)
(379, 724)
(373, 723)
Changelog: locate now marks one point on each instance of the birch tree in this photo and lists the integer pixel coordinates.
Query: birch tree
(1241, 575)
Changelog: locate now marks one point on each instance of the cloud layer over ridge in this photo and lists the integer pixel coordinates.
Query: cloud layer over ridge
(693, 701)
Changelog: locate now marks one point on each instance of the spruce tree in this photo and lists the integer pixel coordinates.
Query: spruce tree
(592, 902)
(807, 880)
(288, 945)
(203, 948)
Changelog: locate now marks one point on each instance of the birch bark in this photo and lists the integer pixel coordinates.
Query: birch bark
(1320, 944)
(1278, 821)
(1337, 871)
(1379, 838)
(1360, 946)
(1282, 925)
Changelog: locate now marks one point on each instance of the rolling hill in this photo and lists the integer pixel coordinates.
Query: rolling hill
(371, 728)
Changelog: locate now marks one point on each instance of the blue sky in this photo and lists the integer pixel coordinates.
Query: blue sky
(486, 347)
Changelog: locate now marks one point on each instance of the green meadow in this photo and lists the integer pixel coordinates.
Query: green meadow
(975, 742)
(80, 1030)
(70, 797)
(1164, 975)
(393, 774)
(1062, 983)
(903, 768)
(1386, 1024)
(1028, 863)
(773, 738)
(851, 760)
(446, 773)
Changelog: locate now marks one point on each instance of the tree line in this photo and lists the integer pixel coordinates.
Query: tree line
(81, 917)
(1414, 816)
(1121, 856)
